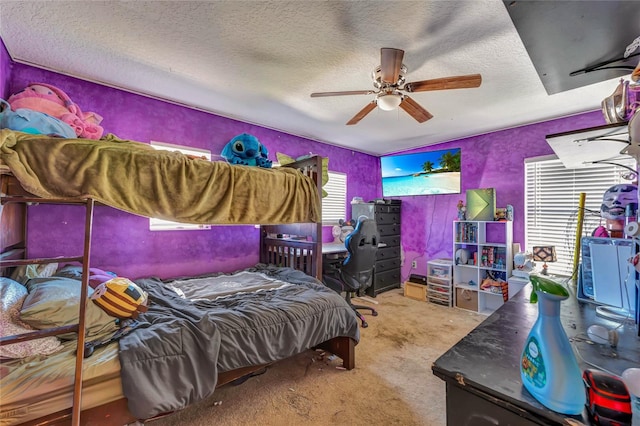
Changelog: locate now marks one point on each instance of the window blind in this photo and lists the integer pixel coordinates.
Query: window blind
(552, 194)
(334, 205)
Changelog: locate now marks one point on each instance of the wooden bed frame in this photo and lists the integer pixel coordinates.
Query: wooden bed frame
(302, 248)
(295, 245)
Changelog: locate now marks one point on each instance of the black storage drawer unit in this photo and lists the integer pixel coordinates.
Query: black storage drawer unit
(387, 269)
(385, 253)
(389, 230)
(388, 218)
(390, 240)
(386, 280)
(385, 265)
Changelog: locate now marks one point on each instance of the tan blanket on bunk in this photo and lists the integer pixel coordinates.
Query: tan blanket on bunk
(136, 178)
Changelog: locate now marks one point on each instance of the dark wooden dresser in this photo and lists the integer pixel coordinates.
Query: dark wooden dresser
(387, 270)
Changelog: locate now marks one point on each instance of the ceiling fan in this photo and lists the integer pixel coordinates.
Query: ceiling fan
(389, 81)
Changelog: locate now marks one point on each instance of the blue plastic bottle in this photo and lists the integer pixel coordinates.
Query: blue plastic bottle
(549, 370)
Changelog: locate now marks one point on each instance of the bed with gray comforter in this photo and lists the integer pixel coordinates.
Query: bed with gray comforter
(197, 328)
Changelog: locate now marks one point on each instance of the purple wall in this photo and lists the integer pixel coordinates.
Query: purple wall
(494, 160)
(5, 71)
(121, 241)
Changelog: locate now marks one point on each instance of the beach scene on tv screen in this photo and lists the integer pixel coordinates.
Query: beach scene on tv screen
(423, 173)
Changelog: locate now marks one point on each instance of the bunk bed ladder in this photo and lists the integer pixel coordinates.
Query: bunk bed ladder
(20, 250)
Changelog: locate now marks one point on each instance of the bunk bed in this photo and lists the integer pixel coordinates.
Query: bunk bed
(86, 172)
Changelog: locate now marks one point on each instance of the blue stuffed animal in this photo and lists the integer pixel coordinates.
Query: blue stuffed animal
(247, 150)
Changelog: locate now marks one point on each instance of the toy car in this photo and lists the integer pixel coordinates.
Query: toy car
(608, 400)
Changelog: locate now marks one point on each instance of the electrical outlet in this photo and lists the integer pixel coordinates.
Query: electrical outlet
(414, 264)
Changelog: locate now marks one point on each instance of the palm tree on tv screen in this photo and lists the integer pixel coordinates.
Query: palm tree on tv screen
(450, 161)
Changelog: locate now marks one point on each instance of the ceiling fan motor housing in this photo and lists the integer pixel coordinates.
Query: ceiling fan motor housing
(376, 76)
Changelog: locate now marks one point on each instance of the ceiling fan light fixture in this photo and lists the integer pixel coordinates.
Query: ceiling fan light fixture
(389, 102)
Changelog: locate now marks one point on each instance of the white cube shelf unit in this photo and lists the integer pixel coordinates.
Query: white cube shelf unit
(481, 250)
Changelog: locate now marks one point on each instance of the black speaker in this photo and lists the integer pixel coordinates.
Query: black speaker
(418, 279)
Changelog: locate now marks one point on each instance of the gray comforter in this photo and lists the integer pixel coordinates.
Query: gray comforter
(190, 333)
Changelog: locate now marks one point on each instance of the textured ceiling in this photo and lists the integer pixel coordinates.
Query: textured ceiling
(258, 61)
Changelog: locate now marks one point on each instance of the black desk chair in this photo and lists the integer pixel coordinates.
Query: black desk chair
(355, 273)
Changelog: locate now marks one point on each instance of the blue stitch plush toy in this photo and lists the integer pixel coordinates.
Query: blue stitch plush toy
(247, 150)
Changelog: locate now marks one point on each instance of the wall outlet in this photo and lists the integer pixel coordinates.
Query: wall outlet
(414, 264)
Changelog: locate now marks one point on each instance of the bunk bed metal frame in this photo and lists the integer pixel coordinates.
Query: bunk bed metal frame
(302, 250)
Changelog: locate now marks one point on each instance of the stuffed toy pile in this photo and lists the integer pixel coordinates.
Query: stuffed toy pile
(44, 109)
(246, 149)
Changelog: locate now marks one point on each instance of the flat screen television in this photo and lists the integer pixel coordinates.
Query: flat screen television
(422, 173)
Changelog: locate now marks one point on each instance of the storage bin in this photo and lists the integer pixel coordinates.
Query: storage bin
(467, 299)
(415, 291)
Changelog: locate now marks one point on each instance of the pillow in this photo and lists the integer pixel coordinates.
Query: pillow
(22, 274)
(120, 297)
(53, 302)
(96, 279)
(34, 122)
(12, 294)
(69, 271)
(96, 276)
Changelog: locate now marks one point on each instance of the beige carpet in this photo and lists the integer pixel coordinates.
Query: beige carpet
(392, 383)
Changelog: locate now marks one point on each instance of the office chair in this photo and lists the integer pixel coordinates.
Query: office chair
(355, 273)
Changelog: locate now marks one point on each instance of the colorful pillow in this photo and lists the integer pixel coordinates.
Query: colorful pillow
(53, 101)
(53, 302)
(12, 294)
(34, 122)
(120, 297)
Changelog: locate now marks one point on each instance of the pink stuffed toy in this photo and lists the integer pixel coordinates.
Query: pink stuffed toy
(53, 101)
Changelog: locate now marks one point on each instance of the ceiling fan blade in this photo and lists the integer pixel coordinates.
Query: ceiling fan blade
(458, 82)
(363, 112)
(348, 92)
(415, 110)
(390, 64)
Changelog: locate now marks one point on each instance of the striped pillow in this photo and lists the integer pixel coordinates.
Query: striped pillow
(120, 297)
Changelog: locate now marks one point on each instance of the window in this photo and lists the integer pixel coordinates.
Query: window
(334, 205)
(552, 195)
(156, 224)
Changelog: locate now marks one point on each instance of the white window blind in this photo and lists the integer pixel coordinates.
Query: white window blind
(552, 194)
(334, 205)
(156, 224)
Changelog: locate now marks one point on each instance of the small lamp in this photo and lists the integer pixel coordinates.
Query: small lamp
(389, 102)
(544, 254)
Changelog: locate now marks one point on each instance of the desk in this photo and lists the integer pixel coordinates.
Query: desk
(333, 248)
(482, 373)
(338, 250)
(333, 255)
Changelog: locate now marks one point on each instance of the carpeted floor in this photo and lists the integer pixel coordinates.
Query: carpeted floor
(392, 383)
